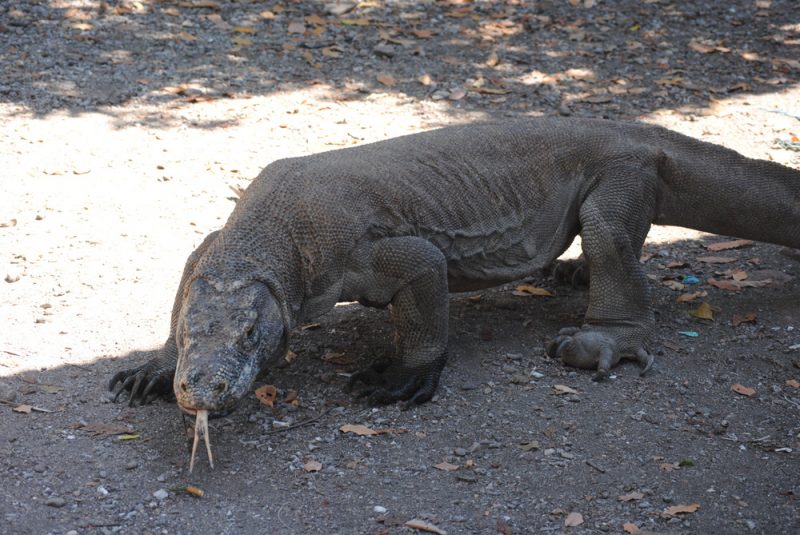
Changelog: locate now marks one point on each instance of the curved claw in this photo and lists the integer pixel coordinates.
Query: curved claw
(387, 383)
(142, 382)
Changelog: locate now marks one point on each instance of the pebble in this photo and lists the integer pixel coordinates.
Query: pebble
(56, 502)
(160, 494)
(459, 452)
(379, 509)
(13, 276)
(72, 532)
(131, 465)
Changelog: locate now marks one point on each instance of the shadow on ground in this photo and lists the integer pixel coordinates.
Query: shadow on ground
(520, 452)
(613, 59)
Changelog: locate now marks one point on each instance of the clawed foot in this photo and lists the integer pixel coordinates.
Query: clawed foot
(574, 273)
(144, 383)
(592, 349)
(387, 381)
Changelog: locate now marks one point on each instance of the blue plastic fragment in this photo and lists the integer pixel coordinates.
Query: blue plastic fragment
(691, 334)
(691, 279)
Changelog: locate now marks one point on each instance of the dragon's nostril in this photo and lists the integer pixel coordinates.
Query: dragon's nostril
(184, 388)
(221, 387)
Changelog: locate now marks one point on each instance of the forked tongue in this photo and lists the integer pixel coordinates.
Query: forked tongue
(201, 429)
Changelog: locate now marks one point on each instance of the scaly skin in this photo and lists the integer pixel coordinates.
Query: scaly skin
(401, 222)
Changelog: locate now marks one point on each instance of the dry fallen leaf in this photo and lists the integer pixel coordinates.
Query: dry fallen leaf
(386, 79)
(424, 526)
(747, 318)
(716, 259)
(563, 389)
(703, 312)
(340, 359)
(573, 519)
(360, 430)
(725, 245)
(743, 390)
(629, 527)
(266, 394)
(312, 466)
(793, 383)
(445, 466)
(724, 285)
(24, 409)
(244, 29)
(680, 509)
(529, 289)
(631, 496)
(685, 298)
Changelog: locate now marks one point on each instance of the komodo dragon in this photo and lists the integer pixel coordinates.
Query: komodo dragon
(402, 222)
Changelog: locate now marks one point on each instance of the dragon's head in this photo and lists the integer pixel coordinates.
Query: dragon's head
(226, 334)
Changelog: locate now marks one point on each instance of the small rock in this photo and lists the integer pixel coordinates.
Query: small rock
(7, 392)
(467, 477)
(382, 50)
(56, 502)
(131, 465)
(39, 468)
(160, 494)
(379, 509)
(459, 452)
(72, 532)
(102, 491)
(13, 275)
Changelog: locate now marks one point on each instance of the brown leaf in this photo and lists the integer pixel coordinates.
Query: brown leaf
(360, 430)
(724, 285)
(445, 466)
(681, 509)
(747, 318)
(686, 298)
(725, 245)
(424, 526)
(266, 395)
(339, 359)
(312, 466)
(716, 259)
(386, 79)
(629, 527)
(316, 19)
(677, 264)
(743, 390)
(631, 496)
(703, 312)
(560, 390)
(244, 29)
(529, 289)
(23, 409)
(794, 383)
(423, 34)
(573, 519)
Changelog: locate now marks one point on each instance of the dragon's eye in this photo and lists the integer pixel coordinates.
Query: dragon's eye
(250, 338)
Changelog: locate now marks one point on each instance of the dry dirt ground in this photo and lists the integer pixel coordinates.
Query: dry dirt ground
(126, 125)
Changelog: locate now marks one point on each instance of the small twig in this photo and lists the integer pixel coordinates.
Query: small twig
(596, 466)
(300, 424)
(15, 404)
